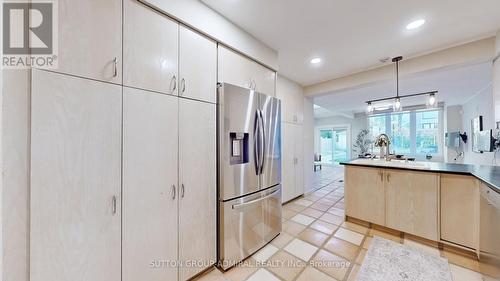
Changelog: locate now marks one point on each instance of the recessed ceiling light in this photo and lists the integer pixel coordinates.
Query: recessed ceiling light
(315, 60)
(415, 24)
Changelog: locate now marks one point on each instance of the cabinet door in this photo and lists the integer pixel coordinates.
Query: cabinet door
(365, 194)
(412, 202)
(288, 161)
(90, 38)
(197, 170)
(149, 180)
(235, 69)
(150, 49)
(264, 79)
(197, 66)
(292, 101)
(460, 210)
(75, 179)
(299, 162)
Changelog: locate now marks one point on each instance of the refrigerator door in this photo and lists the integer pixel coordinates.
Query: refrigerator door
(271, 164)
(248, 224)
(237, 126)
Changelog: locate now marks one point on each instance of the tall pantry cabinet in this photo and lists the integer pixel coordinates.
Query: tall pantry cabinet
(123, 171)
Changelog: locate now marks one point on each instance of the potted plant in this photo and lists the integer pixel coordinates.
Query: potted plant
(362, 143)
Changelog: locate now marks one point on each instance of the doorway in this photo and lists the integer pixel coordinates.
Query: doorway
(334, 144)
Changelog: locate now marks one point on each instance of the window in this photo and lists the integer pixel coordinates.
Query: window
(414, 133)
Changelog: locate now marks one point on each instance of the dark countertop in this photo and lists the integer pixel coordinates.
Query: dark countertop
(487, 174)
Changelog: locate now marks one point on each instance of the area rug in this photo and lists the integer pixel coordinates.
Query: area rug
(389, 261)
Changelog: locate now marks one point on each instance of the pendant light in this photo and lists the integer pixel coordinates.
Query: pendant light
(369, 108)
(396, 106)
(431, 101)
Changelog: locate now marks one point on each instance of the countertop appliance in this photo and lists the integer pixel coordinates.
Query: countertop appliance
(489, 242)
(249, 172)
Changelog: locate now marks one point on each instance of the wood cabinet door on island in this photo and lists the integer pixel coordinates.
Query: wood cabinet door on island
(412, 202)
(460, 210)
(365, 194)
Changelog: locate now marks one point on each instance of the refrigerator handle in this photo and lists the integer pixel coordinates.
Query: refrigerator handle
(256, 150)
(262, 143)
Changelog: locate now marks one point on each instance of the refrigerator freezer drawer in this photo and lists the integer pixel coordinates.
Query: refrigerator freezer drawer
(247, 224)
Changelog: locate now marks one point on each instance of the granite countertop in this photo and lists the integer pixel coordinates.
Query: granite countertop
(487, 174)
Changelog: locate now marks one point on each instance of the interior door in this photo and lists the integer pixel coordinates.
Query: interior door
(150, 196)
(197, 170)
(75, 179)
(90, 39)
(198, 66)
(150, 49)
(237, 124)
(271, 164)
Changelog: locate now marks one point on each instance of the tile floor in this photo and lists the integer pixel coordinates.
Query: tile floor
(317, 245)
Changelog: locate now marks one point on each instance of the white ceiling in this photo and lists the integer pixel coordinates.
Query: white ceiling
(351, 36)
(456, 86)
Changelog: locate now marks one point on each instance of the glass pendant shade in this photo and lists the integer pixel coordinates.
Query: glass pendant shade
(431, 101)
(396, 106)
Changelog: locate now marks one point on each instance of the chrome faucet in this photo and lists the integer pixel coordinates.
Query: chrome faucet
(388, 140)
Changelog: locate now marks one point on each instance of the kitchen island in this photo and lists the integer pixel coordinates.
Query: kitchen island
(436, 201)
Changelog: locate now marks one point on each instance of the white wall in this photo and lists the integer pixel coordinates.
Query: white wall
(496, 79)
(481, 104)
(356, 124)
(308, 144)
(199, 16)
(453, 123)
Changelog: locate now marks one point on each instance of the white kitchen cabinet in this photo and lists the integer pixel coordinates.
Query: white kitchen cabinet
(150, 49)
(238, 70)
(292, 166)
(292, 101)
(197, 66)
(150, 190)
(90, 39)
(75, 179)
(197, 181)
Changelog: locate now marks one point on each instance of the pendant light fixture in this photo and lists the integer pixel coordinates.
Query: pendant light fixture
(396, 104)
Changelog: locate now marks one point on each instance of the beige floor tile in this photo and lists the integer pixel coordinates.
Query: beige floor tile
(301, 249)
(303, 219)
(461, 260)
(312, 213)
(367, 242)
(293, 228)
(241, 272)
(355, 227)
(294, 207)
(288, 214)
(285, 265)
(326, 201)
(324, 227)
(332, 219)
(312, 274)
(349, 236)
(282, 239)
(426, 248)
(342, 248)
(312, 236)
(303, 202)
(464, 274)
(214, 275)
(313, 197)
(263, 275)
(331, 264)
(265, 253)
(340, 205)
(320, 206)
(336, 211)
(361, 256)
(354, 273)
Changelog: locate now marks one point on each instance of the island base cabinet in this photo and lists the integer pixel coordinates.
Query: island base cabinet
(412, 202)
(460, 210)
(365, 194)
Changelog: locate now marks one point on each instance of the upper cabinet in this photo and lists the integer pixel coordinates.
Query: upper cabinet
(90, 48)
(292, 100)
(197, 66)
(150, 49)
(236, 69)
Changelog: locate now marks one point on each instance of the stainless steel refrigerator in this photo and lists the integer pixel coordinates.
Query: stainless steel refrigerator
(249, 172)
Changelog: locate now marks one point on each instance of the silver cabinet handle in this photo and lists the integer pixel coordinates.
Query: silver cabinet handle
(173, 191)
(182, 190)
(183, 86)
(113, 205)
(388, 177)
(115, 67)
(174, 82)
(381, 174)
(242, 205)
